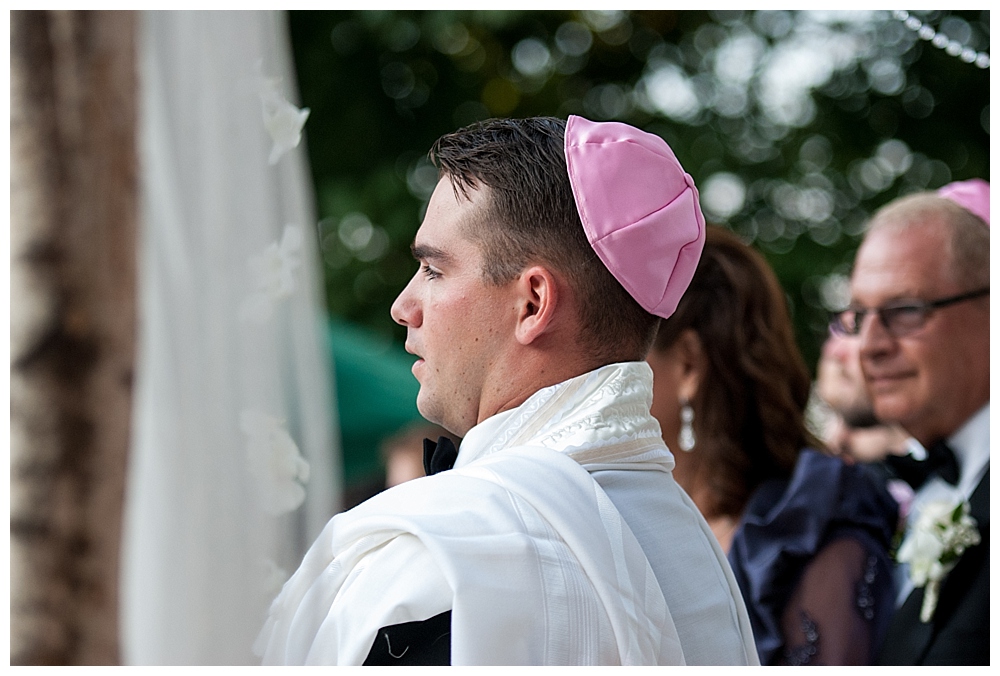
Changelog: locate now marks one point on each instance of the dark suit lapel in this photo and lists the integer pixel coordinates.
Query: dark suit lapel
(979, 503)
(908, 638)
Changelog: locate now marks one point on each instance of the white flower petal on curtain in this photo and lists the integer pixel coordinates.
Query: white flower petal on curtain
(283, 121)
(273, 275)
(213, 519)
(273, 459)
(274, 577)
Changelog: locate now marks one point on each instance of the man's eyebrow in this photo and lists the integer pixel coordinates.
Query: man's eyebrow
(423, 252)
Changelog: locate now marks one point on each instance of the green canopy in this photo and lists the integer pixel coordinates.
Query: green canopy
(376, 395)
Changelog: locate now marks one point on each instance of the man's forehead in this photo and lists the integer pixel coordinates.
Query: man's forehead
(900, 242)
(444, 230)
(441, 240)
(895, 262)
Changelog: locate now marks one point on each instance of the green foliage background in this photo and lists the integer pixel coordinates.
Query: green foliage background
(874, 112)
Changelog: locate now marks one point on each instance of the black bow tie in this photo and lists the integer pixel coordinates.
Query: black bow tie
(940, 460)
(439, 456)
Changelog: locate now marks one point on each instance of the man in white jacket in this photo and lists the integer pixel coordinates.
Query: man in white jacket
(556, 533)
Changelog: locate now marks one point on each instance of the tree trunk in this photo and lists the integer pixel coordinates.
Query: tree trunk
(74, 210)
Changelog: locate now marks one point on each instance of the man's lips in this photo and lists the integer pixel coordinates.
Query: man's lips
(880, 381)
(419, 361)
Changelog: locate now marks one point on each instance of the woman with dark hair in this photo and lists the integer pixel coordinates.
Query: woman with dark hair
(807, 536)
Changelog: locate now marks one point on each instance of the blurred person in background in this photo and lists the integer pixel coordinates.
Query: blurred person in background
(920, 307)
(807, 535)
(848, 423)
(851, 429)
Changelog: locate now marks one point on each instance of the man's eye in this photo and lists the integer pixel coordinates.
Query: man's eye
(429, 272)
(904, 313)
(906, 309)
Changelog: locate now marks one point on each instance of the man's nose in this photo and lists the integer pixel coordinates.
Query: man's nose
(874, 338)
(405, 310)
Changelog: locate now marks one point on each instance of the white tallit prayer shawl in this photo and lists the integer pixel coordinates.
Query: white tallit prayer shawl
(518, 541)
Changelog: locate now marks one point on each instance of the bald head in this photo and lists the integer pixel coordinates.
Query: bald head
(968, 236)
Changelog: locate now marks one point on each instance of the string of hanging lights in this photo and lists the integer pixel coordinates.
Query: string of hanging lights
(942, 41)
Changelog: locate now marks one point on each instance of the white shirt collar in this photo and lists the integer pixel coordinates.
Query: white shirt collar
(971, 444)
(597, 418)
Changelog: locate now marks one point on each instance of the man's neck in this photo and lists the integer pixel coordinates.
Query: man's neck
(529, 371)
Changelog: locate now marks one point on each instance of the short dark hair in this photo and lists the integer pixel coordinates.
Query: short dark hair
(531, 217)
(750, 406)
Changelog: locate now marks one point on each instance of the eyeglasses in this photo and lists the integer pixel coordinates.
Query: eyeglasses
(900, 318)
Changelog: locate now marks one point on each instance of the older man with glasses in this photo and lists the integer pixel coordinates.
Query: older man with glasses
(920, 307)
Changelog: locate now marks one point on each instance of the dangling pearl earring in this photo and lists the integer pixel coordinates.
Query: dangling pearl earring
(686, 437)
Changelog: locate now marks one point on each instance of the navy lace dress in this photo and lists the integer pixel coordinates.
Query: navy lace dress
(811, 558)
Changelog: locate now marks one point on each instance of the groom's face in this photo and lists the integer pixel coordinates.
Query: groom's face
(457, 323)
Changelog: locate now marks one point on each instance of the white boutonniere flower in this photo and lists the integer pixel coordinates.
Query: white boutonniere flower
(938, 538)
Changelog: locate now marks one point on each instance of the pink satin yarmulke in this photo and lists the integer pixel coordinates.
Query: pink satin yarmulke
(972, 195)
(639, 209)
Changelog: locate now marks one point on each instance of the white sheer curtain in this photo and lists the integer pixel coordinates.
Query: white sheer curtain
(234, 409)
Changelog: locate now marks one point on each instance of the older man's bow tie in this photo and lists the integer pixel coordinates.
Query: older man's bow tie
(439, 456)
(940, 460)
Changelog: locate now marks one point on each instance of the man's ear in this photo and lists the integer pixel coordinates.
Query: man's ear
(537, 299)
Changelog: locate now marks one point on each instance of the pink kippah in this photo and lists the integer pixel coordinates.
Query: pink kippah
(639, 209)
(972, 195)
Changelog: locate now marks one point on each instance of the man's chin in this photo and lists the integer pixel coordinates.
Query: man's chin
(425, 408)
(432, 412)
(430, 409)
(893, 410)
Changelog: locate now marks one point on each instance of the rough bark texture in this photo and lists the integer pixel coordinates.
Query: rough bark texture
(73, 251)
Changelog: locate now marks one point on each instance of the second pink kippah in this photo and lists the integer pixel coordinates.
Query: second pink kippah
(639, 209)
(973, 195)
